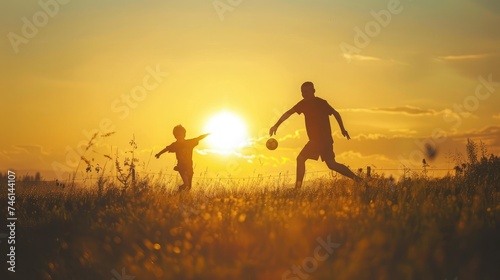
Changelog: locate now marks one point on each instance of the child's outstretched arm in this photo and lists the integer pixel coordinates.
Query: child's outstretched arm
(167, 148)
(202, 136)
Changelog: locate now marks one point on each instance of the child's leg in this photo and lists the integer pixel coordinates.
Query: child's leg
(185, 178)
(190, 178)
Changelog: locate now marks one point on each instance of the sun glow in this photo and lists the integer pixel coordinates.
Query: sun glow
(227, 131)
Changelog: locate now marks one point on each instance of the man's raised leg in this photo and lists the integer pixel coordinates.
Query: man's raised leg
(342, 169)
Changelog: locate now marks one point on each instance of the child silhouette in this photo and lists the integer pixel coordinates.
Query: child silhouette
(183, 149)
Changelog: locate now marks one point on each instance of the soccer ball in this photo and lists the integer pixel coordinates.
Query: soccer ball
(272, 144)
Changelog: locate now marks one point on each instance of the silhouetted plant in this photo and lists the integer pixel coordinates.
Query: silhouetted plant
(89, 167)
(484, 171)
(82, 157)
(127, 172)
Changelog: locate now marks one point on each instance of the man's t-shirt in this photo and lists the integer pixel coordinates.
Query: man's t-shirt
(184, 152)
(317, 114)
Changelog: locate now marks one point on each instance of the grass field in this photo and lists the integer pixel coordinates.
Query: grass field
(417, 228)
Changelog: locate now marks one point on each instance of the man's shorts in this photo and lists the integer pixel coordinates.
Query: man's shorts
(313, 150)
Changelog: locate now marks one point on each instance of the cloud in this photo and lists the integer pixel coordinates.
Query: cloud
(25, 156)
(464, 57)
(408, 110)
(241, 154)
(350, 155)
(397, 133)
(405, 110)
(359, 57)
(370, 136)
(367, 58)
(489, 132)
(31, 149)
(24, 150)
(473, 65)
(488, 135)
(403, 131)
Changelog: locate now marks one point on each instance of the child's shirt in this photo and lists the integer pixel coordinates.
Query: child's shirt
(184, 151)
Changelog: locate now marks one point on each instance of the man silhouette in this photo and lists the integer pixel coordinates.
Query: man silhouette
(317, 112)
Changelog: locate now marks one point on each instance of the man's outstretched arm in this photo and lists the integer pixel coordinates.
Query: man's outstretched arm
(283, 118)
(341, 124)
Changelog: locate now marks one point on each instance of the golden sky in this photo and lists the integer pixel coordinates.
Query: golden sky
(401, 73)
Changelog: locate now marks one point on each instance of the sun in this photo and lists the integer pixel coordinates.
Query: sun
(227, 131)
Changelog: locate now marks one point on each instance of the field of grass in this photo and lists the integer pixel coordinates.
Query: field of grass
(417, 228)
